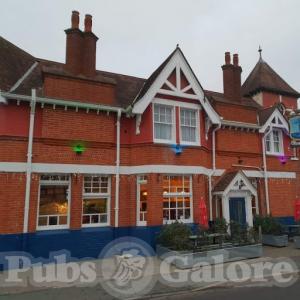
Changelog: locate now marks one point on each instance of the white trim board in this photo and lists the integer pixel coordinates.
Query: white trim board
(129, 170)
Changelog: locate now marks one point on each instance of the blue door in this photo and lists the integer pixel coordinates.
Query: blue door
(237, 210)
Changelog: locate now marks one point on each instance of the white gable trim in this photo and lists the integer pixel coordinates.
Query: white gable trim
(177, 62)
(248, 186)
(276, 114)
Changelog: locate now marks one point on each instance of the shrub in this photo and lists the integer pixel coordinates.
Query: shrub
(269, 225)
(175, 236)
(220, 226)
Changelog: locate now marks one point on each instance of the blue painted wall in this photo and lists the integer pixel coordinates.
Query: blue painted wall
(83, 243)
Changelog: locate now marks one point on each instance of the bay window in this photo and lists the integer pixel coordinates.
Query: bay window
(274, 142)
(96, 200)
(177, 198)
(164, 124)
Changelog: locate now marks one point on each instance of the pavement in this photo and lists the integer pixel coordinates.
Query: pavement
(183, 289)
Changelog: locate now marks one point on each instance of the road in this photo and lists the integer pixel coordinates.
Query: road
(242, 292)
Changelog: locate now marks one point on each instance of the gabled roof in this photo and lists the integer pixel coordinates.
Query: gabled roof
(234, 180)
(14, 62)
(224, 181)
(264, 78)
(176, 60)
(268, 115)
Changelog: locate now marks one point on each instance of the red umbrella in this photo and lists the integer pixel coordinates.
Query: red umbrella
(203, 213)
(297, 210)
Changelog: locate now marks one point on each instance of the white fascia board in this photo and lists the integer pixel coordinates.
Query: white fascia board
(177, 60)
(268, 123)
(20, 167)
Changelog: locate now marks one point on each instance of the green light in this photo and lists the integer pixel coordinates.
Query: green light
(78, 148)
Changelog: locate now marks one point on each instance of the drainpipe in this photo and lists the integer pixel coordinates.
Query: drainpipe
(213, 170)
(29, 161)
(117, 171)
(265, 169)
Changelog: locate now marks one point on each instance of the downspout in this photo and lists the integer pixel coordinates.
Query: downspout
(117, 170)
(213, 170)
(265, 169)
(29, 161)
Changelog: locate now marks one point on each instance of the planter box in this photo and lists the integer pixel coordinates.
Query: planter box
(297, 242)
(275, 240)
(188, 259)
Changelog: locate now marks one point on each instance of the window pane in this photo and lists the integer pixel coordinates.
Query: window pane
(94, 206)
(163, 122)
(175, 206)
(188, 125)
(96, 184)
(53, 205)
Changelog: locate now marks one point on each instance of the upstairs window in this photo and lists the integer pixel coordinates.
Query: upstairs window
(274, 142)
(189, 126)
(164, 124)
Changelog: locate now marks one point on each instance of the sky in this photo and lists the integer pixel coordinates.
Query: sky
(135, 36)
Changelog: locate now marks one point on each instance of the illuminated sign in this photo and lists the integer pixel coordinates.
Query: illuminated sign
(295, 127)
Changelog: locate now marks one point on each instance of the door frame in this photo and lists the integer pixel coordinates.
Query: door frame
(248, 205)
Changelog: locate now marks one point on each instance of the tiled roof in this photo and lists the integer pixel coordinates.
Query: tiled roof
(127, 87)
(224, 181)
(14, 62)
(219, 97)
(264, 78)
(264, 114)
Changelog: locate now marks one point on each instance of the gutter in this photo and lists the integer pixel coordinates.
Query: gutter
(60, 102)
(29, 161)
(117, 170)
(213, 170)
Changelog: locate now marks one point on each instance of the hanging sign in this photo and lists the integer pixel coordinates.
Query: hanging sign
(295, 130)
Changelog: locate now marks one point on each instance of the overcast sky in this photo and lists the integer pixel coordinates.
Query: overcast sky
(135, 36)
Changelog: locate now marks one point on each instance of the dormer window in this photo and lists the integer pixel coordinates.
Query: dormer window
(274, 142)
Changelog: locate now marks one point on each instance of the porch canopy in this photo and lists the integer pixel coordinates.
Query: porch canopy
(235, 198)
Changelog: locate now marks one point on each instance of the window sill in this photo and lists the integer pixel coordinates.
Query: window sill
(274, 154)
(141, 223)
(54, 227)
(95, 225)
(185, 221)
(167, 142)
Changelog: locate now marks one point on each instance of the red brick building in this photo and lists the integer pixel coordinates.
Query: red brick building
(87, 155)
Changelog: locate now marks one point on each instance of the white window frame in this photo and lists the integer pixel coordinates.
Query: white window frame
(97, 196)
(173, 130)
(54, 183)
(140, 180)
(281, 146)
(197, 142)
(183, 194)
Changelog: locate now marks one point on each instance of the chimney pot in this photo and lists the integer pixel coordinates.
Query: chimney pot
(75, 19)
(88, 23)
(235, 60)
(227, 58)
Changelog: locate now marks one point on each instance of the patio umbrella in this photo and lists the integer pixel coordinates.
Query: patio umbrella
(203, 213)
(297, 210)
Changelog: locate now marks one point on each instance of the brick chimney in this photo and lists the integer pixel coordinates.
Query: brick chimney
(74, 44)
(81, 47)
(232, 78)
(89, 53)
